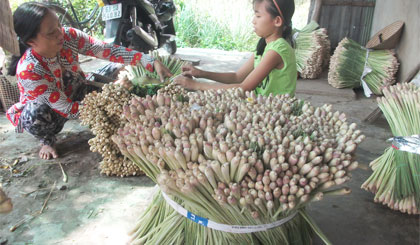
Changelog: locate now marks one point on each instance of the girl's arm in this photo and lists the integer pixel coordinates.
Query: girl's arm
(230, 77)
(270, 61)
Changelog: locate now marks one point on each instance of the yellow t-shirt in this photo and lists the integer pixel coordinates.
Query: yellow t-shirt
(279, 81)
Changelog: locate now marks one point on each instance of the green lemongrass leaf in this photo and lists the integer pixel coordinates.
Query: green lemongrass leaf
(315, 227)
(395, 180)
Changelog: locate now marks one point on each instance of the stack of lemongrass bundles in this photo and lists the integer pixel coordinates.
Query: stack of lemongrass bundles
(312, 50)
(395, 179)
(236, 159)
(352, 63)
(102, 112)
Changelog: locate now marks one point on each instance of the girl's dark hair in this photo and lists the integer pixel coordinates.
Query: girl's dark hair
(27, 21)
(287, 8)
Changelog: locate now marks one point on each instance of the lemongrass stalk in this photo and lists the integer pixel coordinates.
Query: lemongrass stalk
(313, 225)
(394, 181)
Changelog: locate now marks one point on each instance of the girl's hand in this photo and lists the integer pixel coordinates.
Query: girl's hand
(162, 70)
(189, 70)
(186, 82)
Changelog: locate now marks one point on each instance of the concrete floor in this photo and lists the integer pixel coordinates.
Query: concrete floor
(95, 209)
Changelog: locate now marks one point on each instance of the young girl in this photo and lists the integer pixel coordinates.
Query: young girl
(272, 69)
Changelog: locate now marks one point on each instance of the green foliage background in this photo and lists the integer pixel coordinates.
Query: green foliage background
(205, 24)
(82, 8)
(224, 24)
(218, 24)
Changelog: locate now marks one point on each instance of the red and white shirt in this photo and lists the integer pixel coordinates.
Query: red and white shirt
(44, 79)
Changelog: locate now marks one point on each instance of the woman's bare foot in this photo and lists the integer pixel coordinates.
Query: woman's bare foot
(47, 152)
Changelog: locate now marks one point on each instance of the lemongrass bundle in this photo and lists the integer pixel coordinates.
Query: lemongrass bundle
(312, 50)
(351, 63)
(326, 47)
(236, 159)
(138, 75)
(395, 180)
(102, 112)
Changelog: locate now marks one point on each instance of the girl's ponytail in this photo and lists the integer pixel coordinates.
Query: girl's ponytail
(287, 32)
(286, 9)
(261, 46)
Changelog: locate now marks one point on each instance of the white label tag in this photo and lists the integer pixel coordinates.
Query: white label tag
(366, 70)
(409, 144)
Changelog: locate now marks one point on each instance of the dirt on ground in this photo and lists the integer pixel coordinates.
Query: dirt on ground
(88, 208)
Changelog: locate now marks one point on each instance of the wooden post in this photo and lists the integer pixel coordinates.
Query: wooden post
(317, 11)
(8, 38)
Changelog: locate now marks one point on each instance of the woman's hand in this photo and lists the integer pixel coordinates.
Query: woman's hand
(123, 81)
(189, 70)
(186, 82)
(161, 70)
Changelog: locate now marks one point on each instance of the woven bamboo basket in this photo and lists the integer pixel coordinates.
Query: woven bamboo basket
(388, 37)
(9, 92)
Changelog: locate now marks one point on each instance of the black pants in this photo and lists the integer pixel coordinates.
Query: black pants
(42, 122)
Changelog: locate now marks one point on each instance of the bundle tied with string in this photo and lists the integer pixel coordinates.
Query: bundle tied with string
(396, 174)
(102, 111)
(234, 167)
(312, 50)
(354, 66)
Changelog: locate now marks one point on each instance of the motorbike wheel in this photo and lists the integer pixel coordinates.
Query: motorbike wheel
(170, 47)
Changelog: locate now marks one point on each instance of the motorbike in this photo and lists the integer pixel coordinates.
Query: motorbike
(142, 25)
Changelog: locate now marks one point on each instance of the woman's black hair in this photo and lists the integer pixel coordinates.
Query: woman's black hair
(287, 8)
(27, 21)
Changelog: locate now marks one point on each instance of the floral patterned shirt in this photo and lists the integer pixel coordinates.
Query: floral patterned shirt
(55, 81)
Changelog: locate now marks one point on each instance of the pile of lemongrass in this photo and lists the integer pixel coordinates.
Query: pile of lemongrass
(102, 112)
(237, 159)
(348, 64)
(395, 179)
(312, 50)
